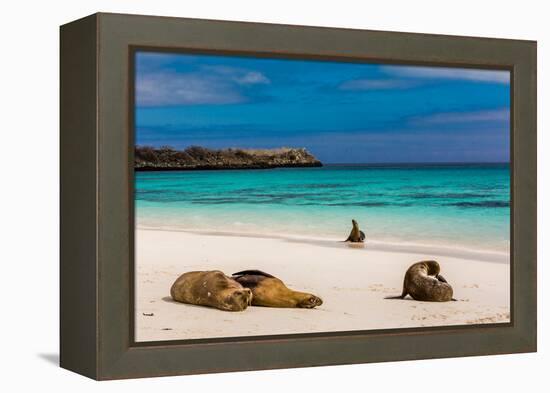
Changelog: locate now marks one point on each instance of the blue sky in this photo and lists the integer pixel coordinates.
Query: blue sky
(341, 112)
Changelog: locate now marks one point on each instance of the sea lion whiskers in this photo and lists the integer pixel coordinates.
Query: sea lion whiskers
(239, 300)
(309, 301)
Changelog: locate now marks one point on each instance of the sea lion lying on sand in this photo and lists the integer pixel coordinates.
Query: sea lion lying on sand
(356, 235)
(423, 282)
(269, 291)
(212, 289)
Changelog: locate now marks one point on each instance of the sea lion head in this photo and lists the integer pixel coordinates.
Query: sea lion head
(432, 268)
(239, 299)
(354, 223)
(310, 301)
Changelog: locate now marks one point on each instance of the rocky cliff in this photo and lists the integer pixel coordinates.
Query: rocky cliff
(196, 157)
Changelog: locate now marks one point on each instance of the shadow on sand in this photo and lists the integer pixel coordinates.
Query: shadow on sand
(52, 358)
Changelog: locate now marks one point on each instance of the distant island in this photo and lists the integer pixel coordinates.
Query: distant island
(147, 158)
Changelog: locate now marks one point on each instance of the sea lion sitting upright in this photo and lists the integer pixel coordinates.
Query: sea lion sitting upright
(356, 235)
(269, 291)
(423, 282)
(211, 289)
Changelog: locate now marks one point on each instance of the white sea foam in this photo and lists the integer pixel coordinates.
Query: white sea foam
(421, 248)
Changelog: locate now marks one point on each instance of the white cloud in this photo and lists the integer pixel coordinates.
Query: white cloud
(157, 89)
(494, 76)
(209, 85)
(252, 78)
(375, 84)
(502, 114)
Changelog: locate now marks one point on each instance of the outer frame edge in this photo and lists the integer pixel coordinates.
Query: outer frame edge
(78, 209)
(123, 361)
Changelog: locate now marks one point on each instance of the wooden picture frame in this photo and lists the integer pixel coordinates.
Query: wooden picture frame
(97, 197)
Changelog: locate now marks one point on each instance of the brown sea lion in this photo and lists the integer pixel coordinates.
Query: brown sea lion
(269, 291)
(211, 289)
(423, 282)
(356, 235)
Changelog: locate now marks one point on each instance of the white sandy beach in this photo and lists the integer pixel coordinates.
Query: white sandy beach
(351, 280)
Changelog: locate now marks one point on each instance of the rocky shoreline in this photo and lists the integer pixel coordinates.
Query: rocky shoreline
(199, 158)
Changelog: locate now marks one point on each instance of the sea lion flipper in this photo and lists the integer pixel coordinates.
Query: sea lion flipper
(395, 297)
(403, 295)
(441, 278)
(251, 278)
(253, 272)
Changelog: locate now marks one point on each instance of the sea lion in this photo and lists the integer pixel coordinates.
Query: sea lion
(211, 289)
(423, 282)
(269, 291)
(356, 235)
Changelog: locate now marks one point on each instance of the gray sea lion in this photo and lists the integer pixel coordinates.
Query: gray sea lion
(211, 289)
(356, 235)
(423, 282)
(269, 291)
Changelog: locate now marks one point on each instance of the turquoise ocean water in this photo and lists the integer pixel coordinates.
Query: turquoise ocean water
(454, 206)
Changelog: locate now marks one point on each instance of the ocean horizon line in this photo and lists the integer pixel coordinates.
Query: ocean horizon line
(403, 164)
(380, 165)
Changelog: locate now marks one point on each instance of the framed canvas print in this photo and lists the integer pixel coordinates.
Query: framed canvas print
(241, 196)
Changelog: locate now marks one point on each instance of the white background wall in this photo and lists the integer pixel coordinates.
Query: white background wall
(29, 192)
